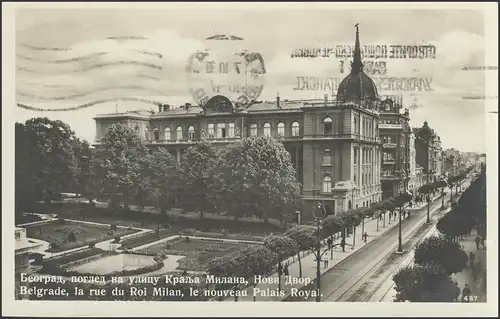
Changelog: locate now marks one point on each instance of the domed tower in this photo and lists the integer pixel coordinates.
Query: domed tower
(357, 85)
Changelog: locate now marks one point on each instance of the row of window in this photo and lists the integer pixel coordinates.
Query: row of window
(327, 183)
(222, 131)
(366, 156)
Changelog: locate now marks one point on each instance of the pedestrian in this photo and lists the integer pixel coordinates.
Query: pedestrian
(330, 242)
(482, 242)
(477, 240)
(365, 237)
(342, 244)
(325, 263)
(280, 269)
(471, 259)
(408, 212)
(466, 293)
(286, 272)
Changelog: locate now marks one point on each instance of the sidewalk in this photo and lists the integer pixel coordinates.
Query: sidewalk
(477, 287)
(308, 261)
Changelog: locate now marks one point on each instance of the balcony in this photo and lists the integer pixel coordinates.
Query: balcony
(390, 126)
(389, 161)
(389, 145)
(390, 177)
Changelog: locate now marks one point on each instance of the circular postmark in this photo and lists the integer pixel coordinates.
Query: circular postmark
(238, 75)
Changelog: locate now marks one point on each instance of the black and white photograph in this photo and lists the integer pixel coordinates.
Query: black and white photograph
(251, 153)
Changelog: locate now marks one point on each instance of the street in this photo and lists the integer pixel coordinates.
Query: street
(358, 277)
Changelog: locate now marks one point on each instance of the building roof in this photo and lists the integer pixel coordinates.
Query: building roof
(357, 85)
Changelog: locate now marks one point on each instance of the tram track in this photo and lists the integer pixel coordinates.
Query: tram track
(354, 279)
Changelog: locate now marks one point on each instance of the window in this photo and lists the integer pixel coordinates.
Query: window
(327, 157)
(327, 126)
(388, 139)
(166, 134)
(355, 125)
(281, 129)
(146, 134)
(211, 130)
(231, 130)
(355, 156)
(253, 130)
(156, 134)
(295, 129)
(221, 130)
(191, 132)
(327, 184)
(179, 133)
(137, 129)
(267, 129)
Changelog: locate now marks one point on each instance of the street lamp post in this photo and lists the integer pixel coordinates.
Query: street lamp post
(319, 214)
(400, 234)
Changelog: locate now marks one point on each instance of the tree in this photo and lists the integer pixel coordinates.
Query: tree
(47, 156)
(304, 238)
(282, 246)
(437, 249)
(425, 283)
(163, 178)
(119, 163)
(197, 177)
(255, 260)
(225, 266)
(85, 178)
(256, 176)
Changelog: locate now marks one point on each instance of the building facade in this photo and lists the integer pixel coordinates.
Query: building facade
(428, 152)
(23, 248)
(334, 145)
(395, 136)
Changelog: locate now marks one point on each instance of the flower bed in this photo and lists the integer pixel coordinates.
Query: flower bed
(197, 252)
(146, 238)
(58, 234)
(54, 269)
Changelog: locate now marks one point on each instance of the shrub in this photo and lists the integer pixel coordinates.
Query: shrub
(187, 239)
(72, 237)
(112, 227)
(54, 245)
(117, 239)
(61, 221)
(91, 245)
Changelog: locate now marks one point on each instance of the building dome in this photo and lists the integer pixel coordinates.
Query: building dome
(357, 85)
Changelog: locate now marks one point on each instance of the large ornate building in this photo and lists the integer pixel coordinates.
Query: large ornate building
(334, 145)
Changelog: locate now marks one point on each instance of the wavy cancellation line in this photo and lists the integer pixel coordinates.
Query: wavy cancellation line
(74, 85)
(97, 90)
(95, 66)
(86, 105)
(39, 48)
(84, 57)
(36, 48)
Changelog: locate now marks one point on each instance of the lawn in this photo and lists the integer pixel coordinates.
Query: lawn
(149, 220)
(58, 234)
(145, 239)
(197, 252)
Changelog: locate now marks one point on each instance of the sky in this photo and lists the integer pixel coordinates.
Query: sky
(66, 58)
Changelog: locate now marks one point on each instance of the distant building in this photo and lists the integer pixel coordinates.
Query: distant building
(23, 248)
(334, 145)
(428, 152)
(395, 135)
